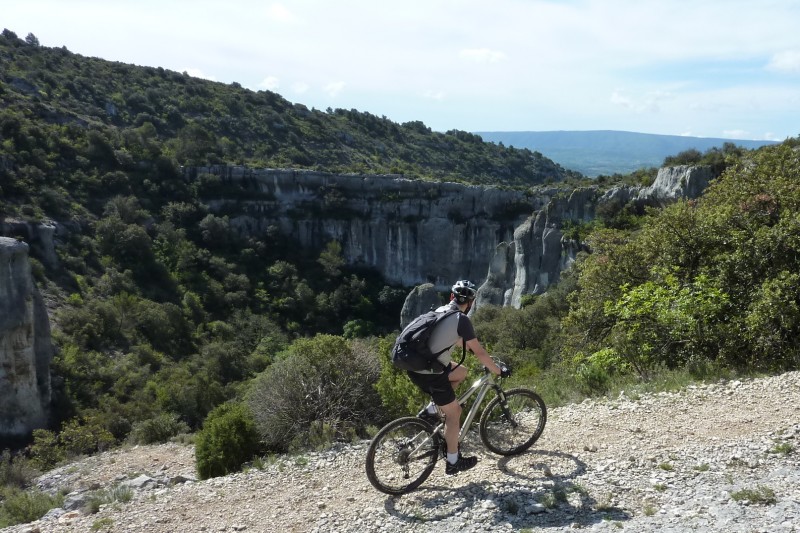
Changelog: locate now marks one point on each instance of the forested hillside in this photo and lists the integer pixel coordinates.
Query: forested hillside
(189, 308)
(162, 313)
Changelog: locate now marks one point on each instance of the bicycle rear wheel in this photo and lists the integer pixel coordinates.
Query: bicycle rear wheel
(512, 426)
(402, 455)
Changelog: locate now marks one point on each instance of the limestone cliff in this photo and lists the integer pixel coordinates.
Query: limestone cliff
(411, 231)
(414, 232)
(25, 346)
(39, 236)
(539, 251)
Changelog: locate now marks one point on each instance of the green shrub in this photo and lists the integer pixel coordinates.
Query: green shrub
(15, 471)
(228, 440)
(160, 428)
(398, 395)
(19, 507)
(761, 495)
(45, 451)
(88, 437)
(323, 380)
(98, 498)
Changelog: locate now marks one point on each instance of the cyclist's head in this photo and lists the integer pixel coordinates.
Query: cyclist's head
(463, 291)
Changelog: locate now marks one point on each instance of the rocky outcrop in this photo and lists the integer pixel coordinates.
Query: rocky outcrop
(510, 242)
(25, 345)
(420, 300)
(671, 183)
(540, 251)
(40, 236)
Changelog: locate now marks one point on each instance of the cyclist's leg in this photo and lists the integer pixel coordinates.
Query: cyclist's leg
(457, 376)
(441, 390)
(452, 424)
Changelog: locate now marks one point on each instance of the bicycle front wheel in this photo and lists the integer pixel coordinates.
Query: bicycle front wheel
(402, 455)
(511, 426)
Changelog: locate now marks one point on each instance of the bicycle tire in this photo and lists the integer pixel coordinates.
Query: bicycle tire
(389, 467)
(512, 428)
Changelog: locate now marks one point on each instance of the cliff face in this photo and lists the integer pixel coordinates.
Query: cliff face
(412, 232)
(509, 242)
(25, 347)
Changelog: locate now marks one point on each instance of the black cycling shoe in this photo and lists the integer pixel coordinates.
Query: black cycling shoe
(463, 463)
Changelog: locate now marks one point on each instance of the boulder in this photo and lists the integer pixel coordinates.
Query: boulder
(420, 300)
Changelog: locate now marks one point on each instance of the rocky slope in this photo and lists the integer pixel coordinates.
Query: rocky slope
(719, 457)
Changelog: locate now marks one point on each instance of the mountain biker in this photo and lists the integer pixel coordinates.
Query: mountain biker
(441, 386)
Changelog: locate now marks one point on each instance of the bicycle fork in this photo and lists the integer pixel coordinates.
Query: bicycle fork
(504, 406)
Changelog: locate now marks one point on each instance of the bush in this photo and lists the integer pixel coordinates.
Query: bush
(45, 451)
(160, 428)
(20, 507)
(228, 440)
(324, 381)
(88, 437)
(98, 498)
(399, 396)
(15, 471)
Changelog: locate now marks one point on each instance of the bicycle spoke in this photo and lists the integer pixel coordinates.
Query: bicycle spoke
(401, 456)
(512, 426)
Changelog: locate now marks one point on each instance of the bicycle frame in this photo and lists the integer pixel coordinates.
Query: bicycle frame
(480, 386)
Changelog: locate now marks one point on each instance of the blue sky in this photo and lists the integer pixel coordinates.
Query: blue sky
(726, 68)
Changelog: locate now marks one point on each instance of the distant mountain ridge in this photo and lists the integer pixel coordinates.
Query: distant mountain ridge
(599, 152)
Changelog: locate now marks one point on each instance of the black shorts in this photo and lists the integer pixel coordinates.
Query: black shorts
(437, 385)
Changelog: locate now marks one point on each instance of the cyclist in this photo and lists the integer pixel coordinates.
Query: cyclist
(441, 386)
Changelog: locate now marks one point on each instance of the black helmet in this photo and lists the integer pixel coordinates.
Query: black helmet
(463, 291)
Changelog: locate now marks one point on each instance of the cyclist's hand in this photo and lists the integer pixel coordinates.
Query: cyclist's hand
(505, 371)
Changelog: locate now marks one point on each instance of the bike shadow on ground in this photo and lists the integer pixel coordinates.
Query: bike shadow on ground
(539, 490)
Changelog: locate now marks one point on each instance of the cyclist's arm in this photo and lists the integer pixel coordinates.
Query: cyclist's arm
(480, 352)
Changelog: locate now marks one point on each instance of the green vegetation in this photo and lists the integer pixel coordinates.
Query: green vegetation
(761, 495)
(19, 506)
(782, 448)
(101, 497)
(322, 390)
(167, 320)
(228, 440)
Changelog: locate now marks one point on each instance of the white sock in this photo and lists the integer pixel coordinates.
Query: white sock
(452, 458)
(432, 408)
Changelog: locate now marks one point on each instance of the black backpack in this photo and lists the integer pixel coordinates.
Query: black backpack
(411, 351)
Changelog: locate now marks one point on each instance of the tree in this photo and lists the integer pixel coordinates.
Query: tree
(32, 40)
(331, 259)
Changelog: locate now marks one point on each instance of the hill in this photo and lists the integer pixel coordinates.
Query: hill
(129, 115)
(606, 152)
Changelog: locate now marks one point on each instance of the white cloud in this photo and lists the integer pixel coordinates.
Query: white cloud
(787, 61)
(279, 13)
(648, 102)
(434, 95)
(619, 99)
(270, 83)
(197, 73)
(482, 55)
(300, 87)
(736, 134)
(334, 88)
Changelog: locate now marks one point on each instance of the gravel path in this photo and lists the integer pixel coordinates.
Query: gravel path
(721, 457)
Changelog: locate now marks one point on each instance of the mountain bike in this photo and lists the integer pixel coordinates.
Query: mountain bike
(404, 452)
